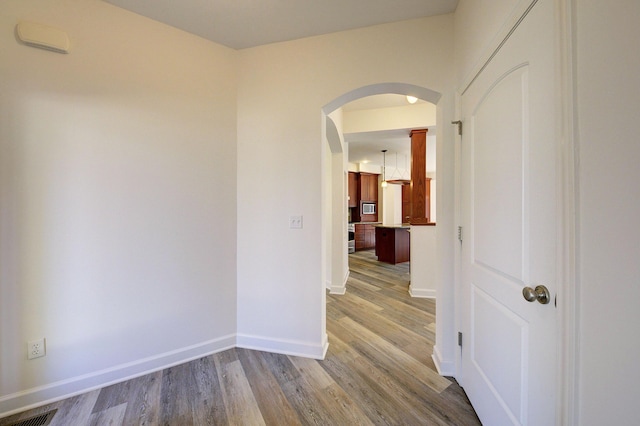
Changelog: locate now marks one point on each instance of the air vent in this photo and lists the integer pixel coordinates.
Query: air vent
(39, 420)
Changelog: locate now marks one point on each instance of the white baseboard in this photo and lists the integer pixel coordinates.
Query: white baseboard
(422, 293)
(285, 347)
(42, 395)
(340, 289)
(445, 368)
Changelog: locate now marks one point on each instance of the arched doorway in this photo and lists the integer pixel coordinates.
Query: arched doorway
(335, 222)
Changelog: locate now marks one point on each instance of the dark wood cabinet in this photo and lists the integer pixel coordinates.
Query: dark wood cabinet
(368, 194)
(392, 244)
(354, 181)
(363, 188)
(368, 187)
(365, 236)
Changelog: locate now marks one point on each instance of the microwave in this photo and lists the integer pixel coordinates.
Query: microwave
(368, 208)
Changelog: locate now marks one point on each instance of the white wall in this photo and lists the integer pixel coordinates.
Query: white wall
(282, 90)
(423, 262)
(117, 194)
(476, 24)
(608, 98)
(391, 206)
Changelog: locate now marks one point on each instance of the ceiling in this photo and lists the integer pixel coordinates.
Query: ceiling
(378, 101)
(241, 24)
(366, 147)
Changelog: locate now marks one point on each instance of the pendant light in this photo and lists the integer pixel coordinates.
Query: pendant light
(384, 167)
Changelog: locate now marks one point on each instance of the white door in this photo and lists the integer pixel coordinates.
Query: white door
(509, 203)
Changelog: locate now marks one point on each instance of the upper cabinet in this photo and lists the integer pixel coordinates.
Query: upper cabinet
(354, 181)
(368, 187)
(363, 187)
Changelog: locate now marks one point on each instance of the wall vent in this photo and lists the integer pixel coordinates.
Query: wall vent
(39, 420)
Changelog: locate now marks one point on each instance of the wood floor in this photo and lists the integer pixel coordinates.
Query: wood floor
(378, 371)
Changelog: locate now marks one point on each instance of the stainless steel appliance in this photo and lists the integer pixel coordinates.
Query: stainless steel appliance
(351, 240)
(368, 208)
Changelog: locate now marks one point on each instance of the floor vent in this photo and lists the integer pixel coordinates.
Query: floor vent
(40, 420)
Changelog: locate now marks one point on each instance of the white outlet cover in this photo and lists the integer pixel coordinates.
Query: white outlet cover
(36, 348)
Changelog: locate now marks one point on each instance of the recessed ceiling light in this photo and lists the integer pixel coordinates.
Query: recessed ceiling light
(412, 99)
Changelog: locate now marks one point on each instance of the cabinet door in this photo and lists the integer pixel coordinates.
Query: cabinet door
(368, 187)
(364, 187)
(373, 187)
(371, 236)
(353, 189)
(360, 237)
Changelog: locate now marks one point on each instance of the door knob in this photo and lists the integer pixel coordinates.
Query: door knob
(540, 293)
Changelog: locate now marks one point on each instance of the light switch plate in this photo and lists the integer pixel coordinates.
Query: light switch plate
(295, 222)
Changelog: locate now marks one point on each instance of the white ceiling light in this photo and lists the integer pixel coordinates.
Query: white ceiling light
(412, 99)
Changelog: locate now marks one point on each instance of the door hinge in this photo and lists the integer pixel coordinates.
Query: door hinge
(460, 233)
(459, 124)
(460, 338)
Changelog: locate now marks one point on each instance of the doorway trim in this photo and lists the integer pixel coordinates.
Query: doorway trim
(444, 353)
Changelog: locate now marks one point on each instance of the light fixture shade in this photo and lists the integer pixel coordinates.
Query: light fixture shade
(43, 37)
(384, 184)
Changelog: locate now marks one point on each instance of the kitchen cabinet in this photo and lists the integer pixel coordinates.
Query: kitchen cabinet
(365, 236)
(368, 187)
(363, 187)
(368, 194)
(354, 181)
(392, 244)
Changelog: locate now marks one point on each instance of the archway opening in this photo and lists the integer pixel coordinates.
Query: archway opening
(335, 210)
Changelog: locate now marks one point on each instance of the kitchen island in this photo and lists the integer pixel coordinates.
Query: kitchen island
(392, 243)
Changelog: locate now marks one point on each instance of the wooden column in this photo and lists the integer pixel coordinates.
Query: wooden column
(418, 177)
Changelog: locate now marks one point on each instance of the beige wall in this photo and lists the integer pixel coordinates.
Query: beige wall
(117, 195)
(282, 90)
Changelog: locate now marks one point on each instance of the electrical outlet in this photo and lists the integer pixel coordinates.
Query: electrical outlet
(36, 348)
(295, 222)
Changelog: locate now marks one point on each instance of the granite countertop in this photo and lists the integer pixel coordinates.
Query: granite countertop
(395, 226)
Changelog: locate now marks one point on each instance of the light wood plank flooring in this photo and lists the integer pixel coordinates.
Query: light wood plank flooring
(378, 371)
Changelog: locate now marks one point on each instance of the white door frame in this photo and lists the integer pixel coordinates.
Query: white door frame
(567, 300)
